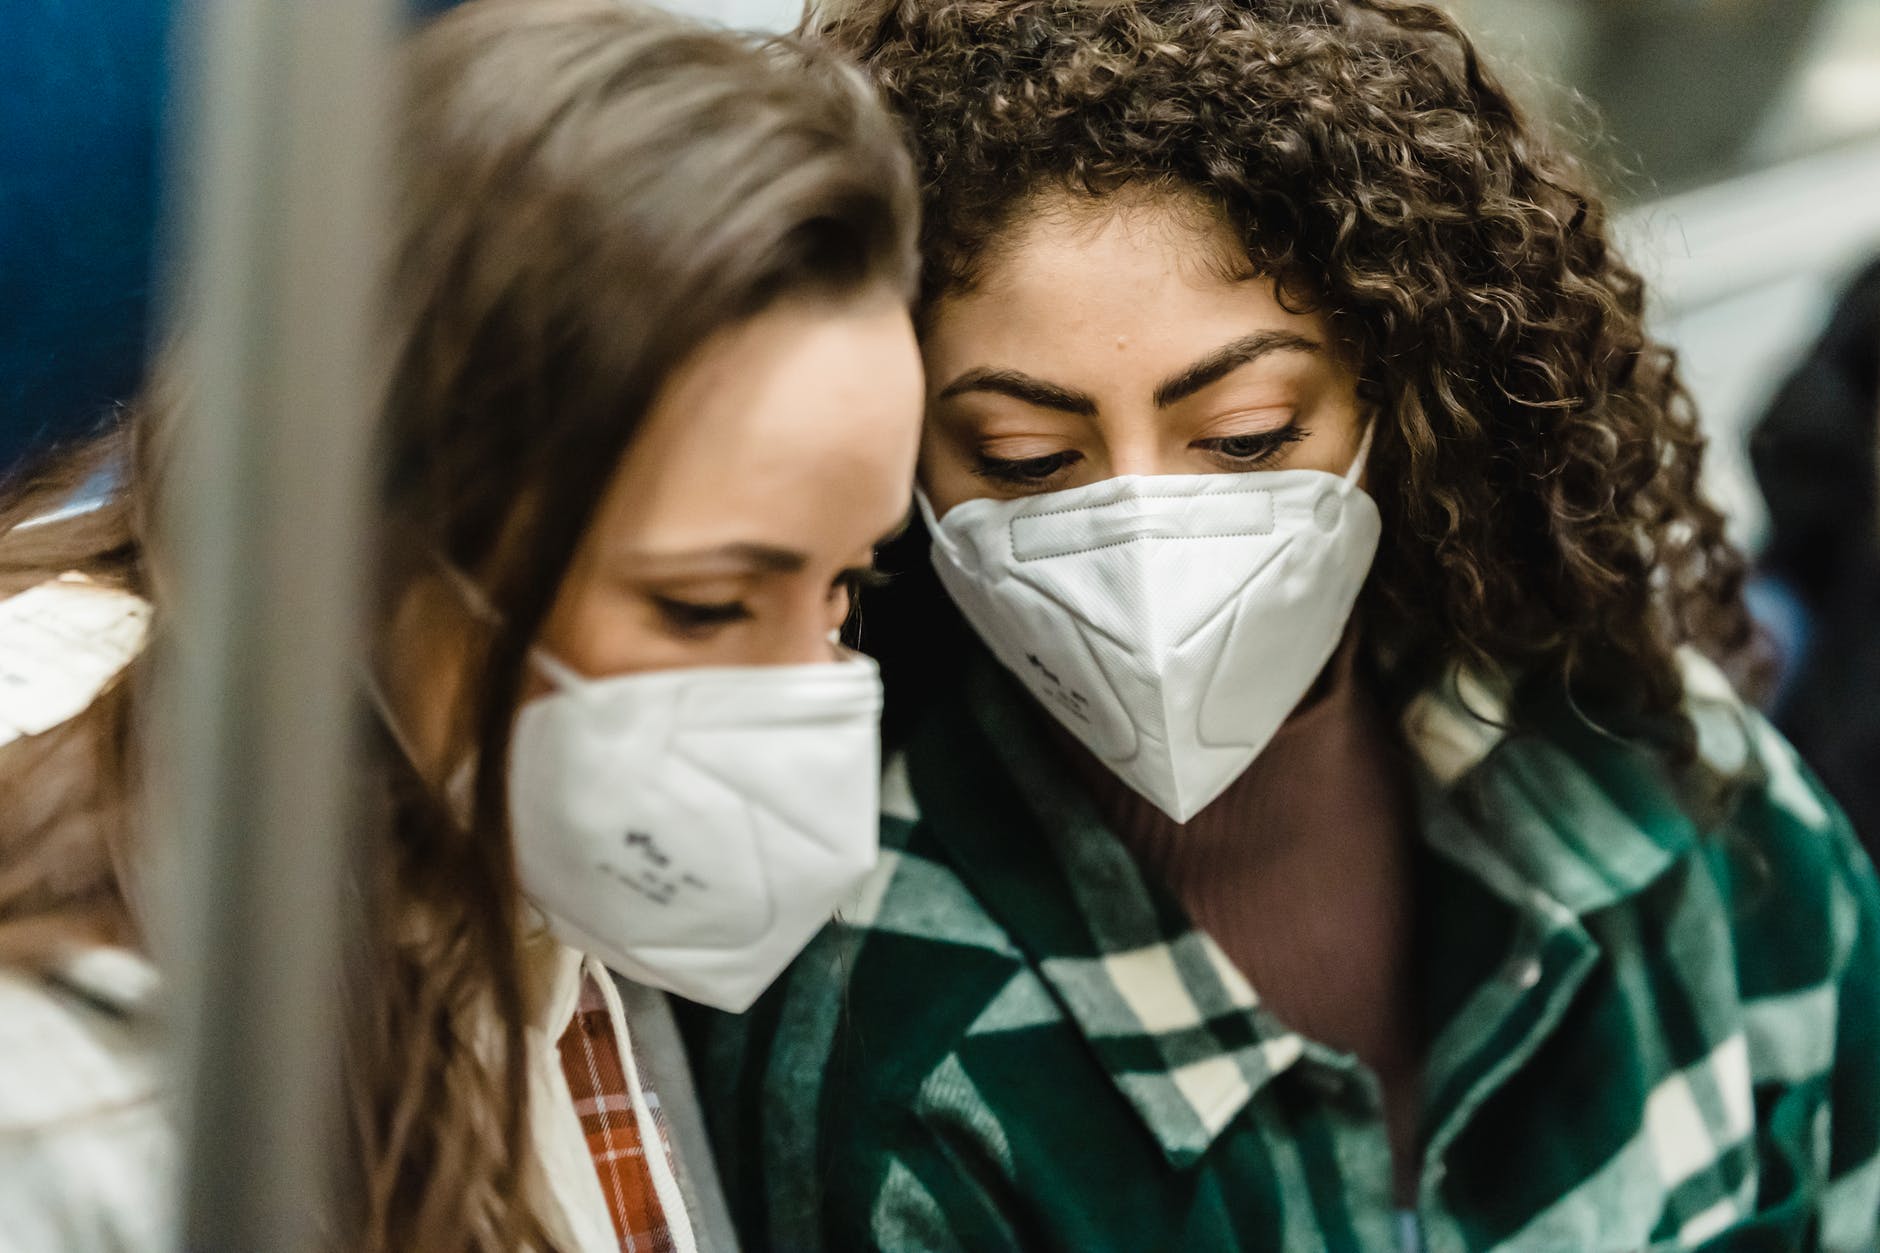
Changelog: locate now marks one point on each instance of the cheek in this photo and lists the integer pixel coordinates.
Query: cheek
(1337, 431)
(1341, 449)
(600, 629)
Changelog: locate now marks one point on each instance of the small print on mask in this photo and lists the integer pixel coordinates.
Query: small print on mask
(1071, 701)
(649, 871)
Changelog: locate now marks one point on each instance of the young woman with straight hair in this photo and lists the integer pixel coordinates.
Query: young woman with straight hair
(653, 397)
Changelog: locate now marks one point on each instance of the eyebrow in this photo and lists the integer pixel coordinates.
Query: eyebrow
(742, 557)
(1021, 386)
(1212, 368)
(1224, 360)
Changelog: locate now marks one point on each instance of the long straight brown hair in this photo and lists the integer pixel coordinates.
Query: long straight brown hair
(589, 190)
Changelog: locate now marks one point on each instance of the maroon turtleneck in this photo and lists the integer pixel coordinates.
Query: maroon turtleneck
(1300, 871)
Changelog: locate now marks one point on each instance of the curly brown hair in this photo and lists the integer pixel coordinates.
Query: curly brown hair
(1538, 462)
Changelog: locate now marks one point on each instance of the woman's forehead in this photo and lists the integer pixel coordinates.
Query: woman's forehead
(1139, 269)
(1056, 223)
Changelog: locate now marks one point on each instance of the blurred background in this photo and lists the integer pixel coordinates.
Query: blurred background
(1740, 138)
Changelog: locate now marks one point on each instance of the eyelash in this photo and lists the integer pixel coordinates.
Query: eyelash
(690, 617)
(1262, 447)
(700, 618)
(1024, 471)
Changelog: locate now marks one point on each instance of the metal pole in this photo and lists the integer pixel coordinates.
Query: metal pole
(252, 777)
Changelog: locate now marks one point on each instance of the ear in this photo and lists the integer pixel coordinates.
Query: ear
(422, 667)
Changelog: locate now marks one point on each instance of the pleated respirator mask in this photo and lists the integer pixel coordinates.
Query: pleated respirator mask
(694, 828)
(1170, 622)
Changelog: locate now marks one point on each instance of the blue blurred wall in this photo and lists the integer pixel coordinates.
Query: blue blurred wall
(82, 94)
(79, 143)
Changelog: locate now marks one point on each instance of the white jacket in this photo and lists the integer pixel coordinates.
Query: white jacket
(87, 1158)
(88, 1155)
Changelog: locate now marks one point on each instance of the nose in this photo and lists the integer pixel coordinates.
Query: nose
(1140, 449)
(1147, 460)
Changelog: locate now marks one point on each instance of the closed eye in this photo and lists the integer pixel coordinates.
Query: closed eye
(692, 617)
(1255, 449)
(1025, 471)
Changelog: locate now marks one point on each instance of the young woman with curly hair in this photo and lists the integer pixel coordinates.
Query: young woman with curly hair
(653, 396)
(1320, 817)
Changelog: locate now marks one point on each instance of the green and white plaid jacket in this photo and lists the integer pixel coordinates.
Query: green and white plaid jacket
(1648, 1033)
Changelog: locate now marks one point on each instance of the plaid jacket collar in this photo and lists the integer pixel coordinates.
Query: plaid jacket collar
(1173, 1022)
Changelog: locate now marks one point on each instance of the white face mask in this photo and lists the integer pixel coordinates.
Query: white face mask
(1171, 622)
(694, 829)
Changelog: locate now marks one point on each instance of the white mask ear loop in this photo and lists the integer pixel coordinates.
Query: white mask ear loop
(474, 598)
(375, 692)
(1356, 471)
(478, 606)
(556, 671)
(477, 602)
(456, 785)
(927, 514)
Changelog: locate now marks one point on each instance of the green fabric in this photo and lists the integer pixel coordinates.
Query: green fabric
(1649, 1030)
